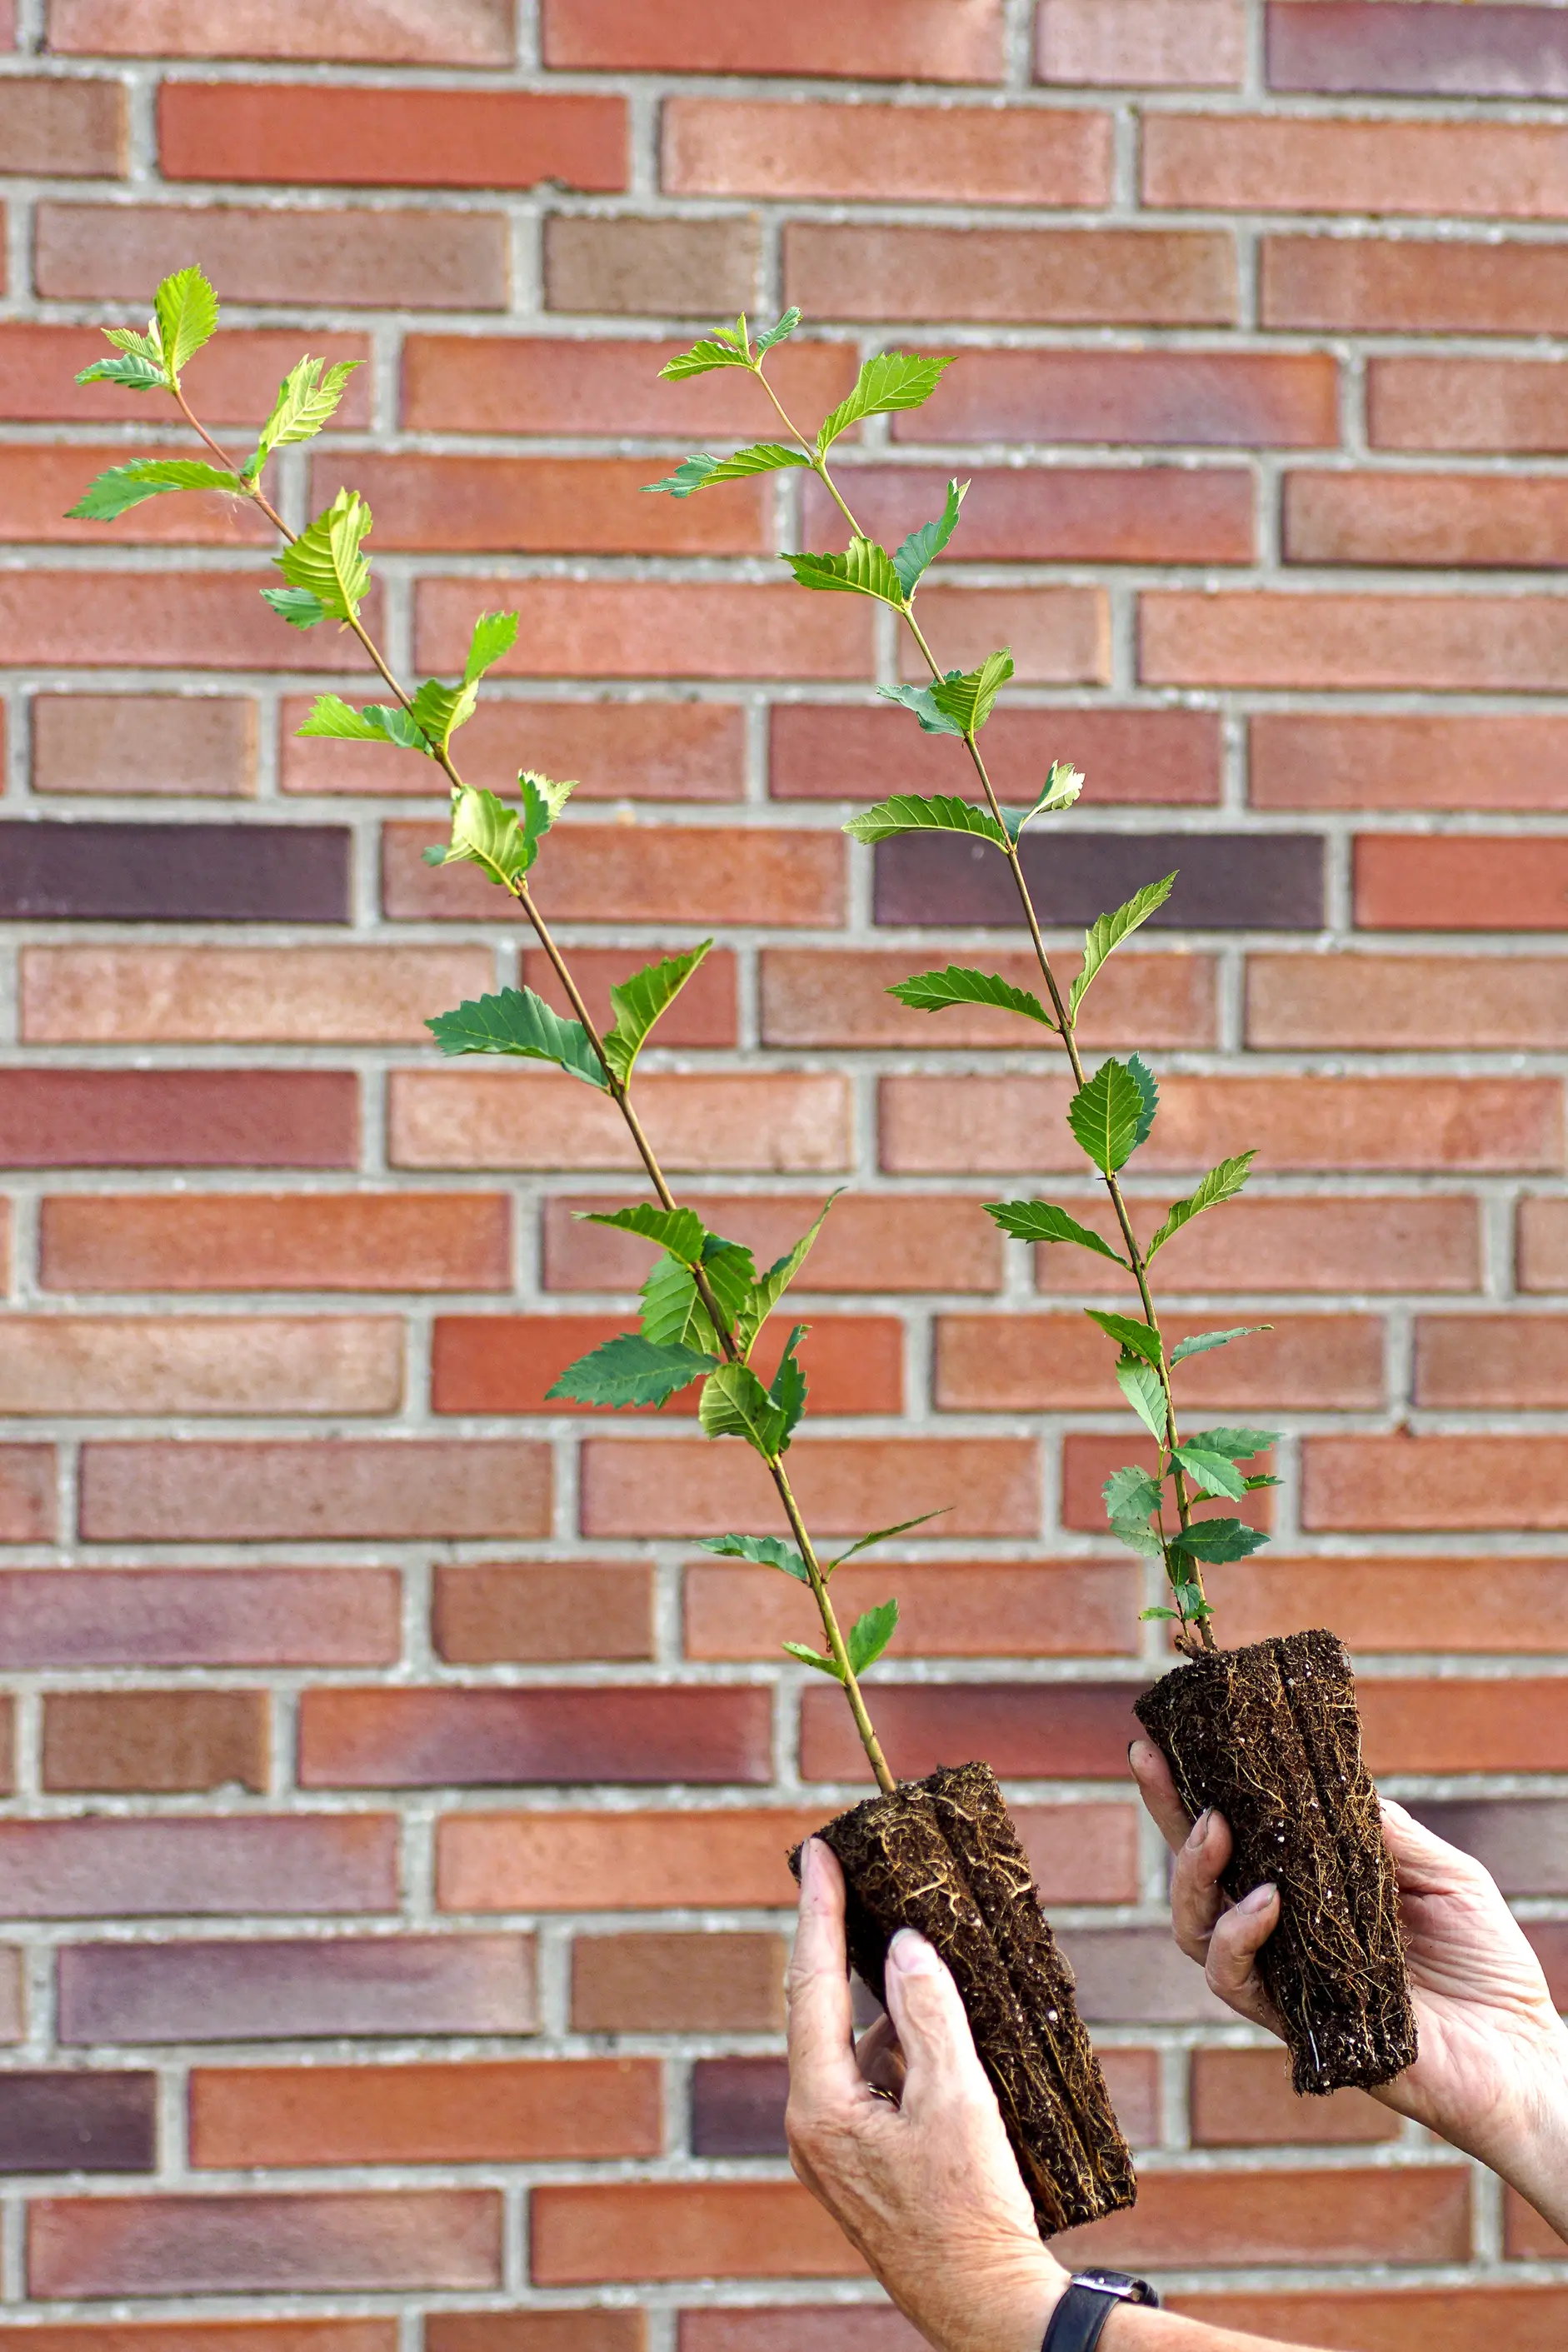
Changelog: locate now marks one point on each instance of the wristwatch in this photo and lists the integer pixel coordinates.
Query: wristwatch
(1091, 2298)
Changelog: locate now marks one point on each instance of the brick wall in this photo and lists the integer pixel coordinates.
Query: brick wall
(393, 1856)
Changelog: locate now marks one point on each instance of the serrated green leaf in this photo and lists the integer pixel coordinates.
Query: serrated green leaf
(1212, 1472)
(672, 1308)
(543, 802)
(186, 311)
(486, 834)
(1202, 1342)
(1221, 1183)
(920, 551)
(1139, 1537)
(123, 486)
(1061, 788)
(681, 1232)
(967, 697)
(1190, 1601)
(332, 716)
(1217, 1541)
(787, 1387)
(721, 349)
(1235, 1444)
(1142, 1077)
(516, 1022)
(885, 1535)
(870, 1634)
(892, 380)
(1260, 1478)
(307, 399)
(1139, 1384)
(701, 472)
(327, 558)
(765, 1293)
(812, 1658)
(1135, 1338)
(1106, 933)
(1132, 1493)
(787, 324)
(1042, 1221)
(137, 345)
(735, 1404)
(1144, 1615)
(918, 699)
(638, 1002)
(495, 634)
(931, 992)
(435, 713)
(630, 1370)
(137, 373)
(298, 606)
(1105, 1113)
(765, 1551)
(905, 813)
(863, 570)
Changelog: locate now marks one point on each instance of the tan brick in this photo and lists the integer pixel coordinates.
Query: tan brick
(114, 996)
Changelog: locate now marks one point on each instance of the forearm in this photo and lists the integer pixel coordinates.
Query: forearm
(1538, 2170)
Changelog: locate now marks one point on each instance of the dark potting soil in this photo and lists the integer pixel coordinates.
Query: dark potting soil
(942, 1855)
(1269, 1736)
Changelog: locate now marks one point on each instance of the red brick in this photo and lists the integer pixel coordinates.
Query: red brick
(1173, 277)
(825, 751)
(1543, 1244)
(825, 996)
(1526, 2236)
(428, 32)
(688, 1487)
(26, 1493)
(618, 1862)
(1411, 759)
(1056, 514)
(1401, 1002)
(767, 1120)
(1452, 644)
(592, 506)
(1458, 1724)
(1088, 1462)
(1413, 285)
(276, 1241)
(200, 1364)
(523, 384)
(207, 996)
(637, 874)
(84, 2247)
(233, 381)
(646, 751)
(178, 1118)
(208, 2336)
(1074, 1731)
(704, 1013)
(321, 1489)
(1473, 884)
(164, 1741)
(75, 620)
(633, 266)
(1060, 636)
(798, 2328)
(693, 1983)
(506, 1363)
(1449, 520)
(1447, 2319)
(1491, 1361)
(315, 1865)
(870, 1242)
(984, 1125)
(1213, 2219)
(504, 2111)
(1465, 404)
(928, 40)
(929, 154)
(1394, 1243)
(205, 743)
(1201, 399)
(684, 2230)
(1172, 43)
(362, 260)
(1242, 2098)
(482, 1738)
(37, 485)
(646, 628)
(538, 1614)
(195, 1617)
(964, 1609)
(1274, 163)
(335, 136)
(1404, 1484)
(1049, 1364)
(62, 129)
(536, 2331)
(1373, 1603)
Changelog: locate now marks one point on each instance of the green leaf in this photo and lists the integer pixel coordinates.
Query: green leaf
(486, 834)
(543, 802)
(735, 1404)
(1041, 1221)
(435, 713)
(918, 699)
(701, 472)
(1202, 1342)
(516, 1022)
(1212, 1472)
(330, 715)
(326, 558)
(966, 696)
(906, 814)
(495, 634)
(1136, 1339)
(812, 1658)
(892, 380)
(1221, 1183)
(133, 369)
(1142, 1077)
(1261, 1478)
(306, 401)
(885, 1535)
(787, 1387)
(786, 326)
(1218, 1541)
(722, 348)
(637, 1002)
(1105, 1115)
(137, 345)
(681, 1232)
(1145, 1614)
(765, 1293)
(920, 550)
(186, 311)
(1132, 1494)
(672, 1308)
(870, 1634)
(123, 487)
(766, 1551)
(1190, 1602)
(1235, 1444)
(864, 570)
(1139, 1537)
(930, 992)
(1106, 933)
(1061, 789)
(299, 607)
(630, 1370)
(1139, 1384)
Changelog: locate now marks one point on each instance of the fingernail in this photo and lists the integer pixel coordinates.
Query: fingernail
(1259, 1899)
(1197, 1836)
(910, 1953)
(808, 1865)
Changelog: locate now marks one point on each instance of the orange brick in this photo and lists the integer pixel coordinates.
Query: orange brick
(1255, 639)
(428, 32)
(1169, 44)
(1414, 760)
(1453, 885)
(769, 1121)
(261, 1241)
(825, 751)
(506, 1363)
(1088, 1462)
(704, 1013)
(508, 2111)
(161, 1741)
(370, 260)
(1491, 1361)
(963, 1609)
(1056, 514)
(652, 750)
(1373, 1604)
(1448, 520)
(626, 629)
(1390, 1244)
(637, 874)
(695, 1983)
(1405, 1484)
(315, 1488)
(1400, 1002)
(525, 384)
(114, 997)
(935, 40)
(1458, 1724)
(62, 129)
(1207, 399)
(1075, 1731)
(1465, 404)
(1212, 2220)
(688, 1487)
(1413, 285)
(970, 155)
(824, 996)
(1274, 163)
(36, 486)
(233, 381)
(1172, 277)
(83, 620)
(1242, 2098)
(1059, 637)
(372, 2240)
(1040, 1363)
(1526, 2236)
(538, 1614)
(205, 744)
(1449, 2319)
(592, 506)
(207, 2335)
(570, 2330)
(291, 132)
(1542, 1253)
(870, 1242)
(618, 1862)
(200, 1364)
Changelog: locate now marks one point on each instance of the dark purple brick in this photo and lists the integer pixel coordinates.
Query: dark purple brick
(54, 871)
(1522, 1841)
(77, 2123)
(1226, 881)
(179, 1118)
(1550, 1939)
(1440, 48)
(738, 2106)
(444, 1739)
(1069, 1731)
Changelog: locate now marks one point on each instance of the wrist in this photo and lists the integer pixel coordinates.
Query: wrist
(1538, 2167)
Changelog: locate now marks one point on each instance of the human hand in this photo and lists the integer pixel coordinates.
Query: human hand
(1491, 2073)
(903, 2139)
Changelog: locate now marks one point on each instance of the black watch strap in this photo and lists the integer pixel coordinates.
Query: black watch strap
(1091, 2298)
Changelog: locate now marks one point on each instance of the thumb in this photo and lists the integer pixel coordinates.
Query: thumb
(928, 2016)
